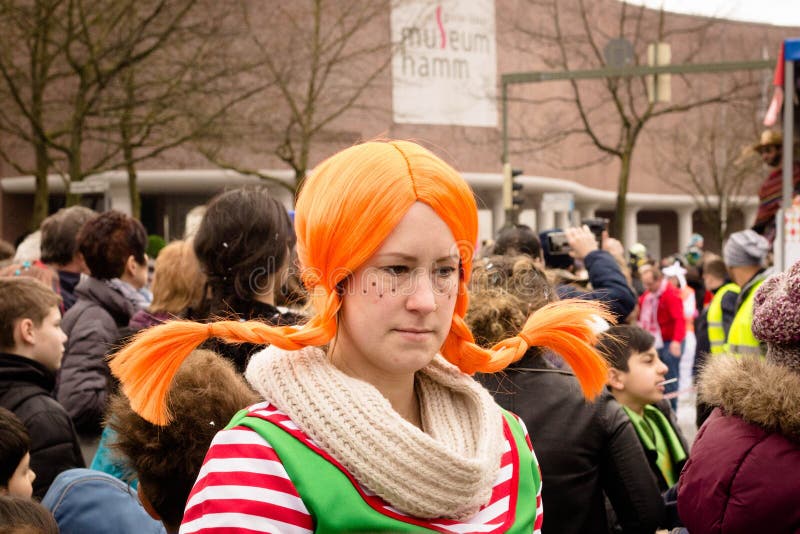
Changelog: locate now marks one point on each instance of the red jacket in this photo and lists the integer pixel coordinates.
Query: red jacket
(670, 314)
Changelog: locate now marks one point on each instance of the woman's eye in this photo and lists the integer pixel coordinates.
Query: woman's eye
(396, 269)
(445, 272)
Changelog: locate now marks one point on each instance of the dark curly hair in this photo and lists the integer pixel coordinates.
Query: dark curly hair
(205, 394)
(244, 239)
(108, 240)
(504, 291)
(15, 443)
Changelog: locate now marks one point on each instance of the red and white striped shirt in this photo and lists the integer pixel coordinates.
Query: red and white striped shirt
(244, 488)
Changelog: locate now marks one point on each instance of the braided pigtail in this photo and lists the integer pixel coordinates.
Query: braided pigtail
(566, 327)
(146, 366)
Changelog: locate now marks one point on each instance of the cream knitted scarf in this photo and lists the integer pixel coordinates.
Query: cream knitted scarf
(447, 471)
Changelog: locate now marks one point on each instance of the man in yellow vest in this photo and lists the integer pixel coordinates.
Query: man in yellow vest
(745, 255)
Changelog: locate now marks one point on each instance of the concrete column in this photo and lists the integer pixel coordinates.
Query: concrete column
(495, 203)
(684, 227)
(529, 218)
(562, 219)
(118, 197)
(631, 231)
(749, 213)
(547, 218)
(587, 211)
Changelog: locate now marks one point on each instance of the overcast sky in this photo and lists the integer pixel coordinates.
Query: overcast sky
(777, 12)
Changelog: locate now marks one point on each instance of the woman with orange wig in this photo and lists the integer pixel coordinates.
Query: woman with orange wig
(370, 420)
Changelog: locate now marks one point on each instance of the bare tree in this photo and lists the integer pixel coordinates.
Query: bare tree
(31, 43)
(320, 60)
(610, 114)
(177, 95)
(104, 84)
(708, 159)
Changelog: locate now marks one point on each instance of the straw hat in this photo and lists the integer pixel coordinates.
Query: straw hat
(768, 138)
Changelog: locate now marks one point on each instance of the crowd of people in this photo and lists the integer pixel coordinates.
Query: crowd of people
(357, 365)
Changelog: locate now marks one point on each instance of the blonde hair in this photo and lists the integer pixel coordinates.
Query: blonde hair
(346, 209)
(178, 283)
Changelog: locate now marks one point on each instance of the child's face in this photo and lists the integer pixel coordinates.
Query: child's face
(49, 339)
(21, 482)
(641, 383)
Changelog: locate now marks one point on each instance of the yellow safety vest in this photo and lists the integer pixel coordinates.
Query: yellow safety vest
(741, 341)
(716, 331)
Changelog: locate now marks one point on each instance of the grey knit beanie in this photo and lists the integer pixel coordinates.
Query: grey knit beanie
(776, 317)
(745, 248)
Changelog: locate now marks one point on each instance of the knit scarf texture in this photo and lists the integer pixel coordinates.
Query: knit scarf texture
(446, 471)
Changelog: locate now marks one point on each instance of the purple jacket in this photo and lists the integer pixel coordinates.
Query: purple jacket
(742, 471)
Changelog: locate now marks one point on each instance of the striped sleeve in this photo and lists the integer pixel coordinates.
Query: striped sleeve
(244, 488)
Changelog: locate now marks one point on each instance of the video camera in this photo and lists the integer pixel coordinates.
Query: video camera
(558, 245)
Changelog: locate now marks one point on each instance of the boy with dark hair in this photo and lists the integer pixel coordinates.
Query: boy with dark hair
(31, 346)
(16, 475)
(636, 379)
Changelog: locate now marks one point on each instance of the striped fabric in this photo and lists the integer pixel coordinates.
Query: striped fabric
(243, 488)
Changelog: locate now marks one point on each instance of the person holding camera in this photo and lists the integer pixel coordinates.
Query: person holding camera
(608, 282)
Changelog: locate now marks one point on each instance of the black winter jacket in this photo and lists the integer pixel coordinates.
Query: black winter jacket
(609, 285)
(584, 450)
(26, 389)
(93, 327)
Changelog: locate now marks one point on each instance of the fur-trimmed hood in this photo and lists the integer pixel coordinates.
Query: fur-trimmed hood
(761, 393)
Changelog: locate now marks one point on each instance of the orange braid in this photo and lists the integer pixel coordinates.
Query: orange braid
(564, 327)
(146, 366)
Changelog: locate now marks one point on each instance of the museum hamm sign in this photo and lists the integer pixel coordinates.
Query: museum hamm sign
(445, 68)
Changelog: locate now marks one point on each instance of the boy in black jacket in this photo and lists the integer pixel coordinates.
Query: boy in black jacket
(31, 346)
(636, 380)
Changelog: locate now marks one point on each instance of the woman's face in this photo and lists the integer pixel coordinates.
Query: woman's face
(398, 306)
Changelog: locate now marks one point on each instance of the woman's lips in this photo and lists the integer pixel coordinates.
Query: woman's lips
(414, 334)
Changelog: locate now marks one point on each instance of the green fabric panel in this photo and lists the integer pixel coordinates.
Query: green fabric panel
(333, 500)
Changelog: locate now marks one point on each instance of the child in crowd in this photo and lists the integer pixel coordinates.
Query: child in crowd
(586, 450)
(31, 346)
(205, 394)
(16, 475)
(636, 379)
(370, 418)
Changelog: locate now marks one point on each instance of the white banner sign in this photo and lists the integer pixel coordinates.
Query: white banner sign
(445, 69)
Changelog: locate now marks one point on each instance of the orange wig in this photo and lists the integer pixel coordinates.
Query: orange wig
(346, 209)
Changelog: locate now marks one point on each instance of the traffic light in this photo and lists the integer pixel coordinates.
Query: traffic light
(516, 190)
(512, 193)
